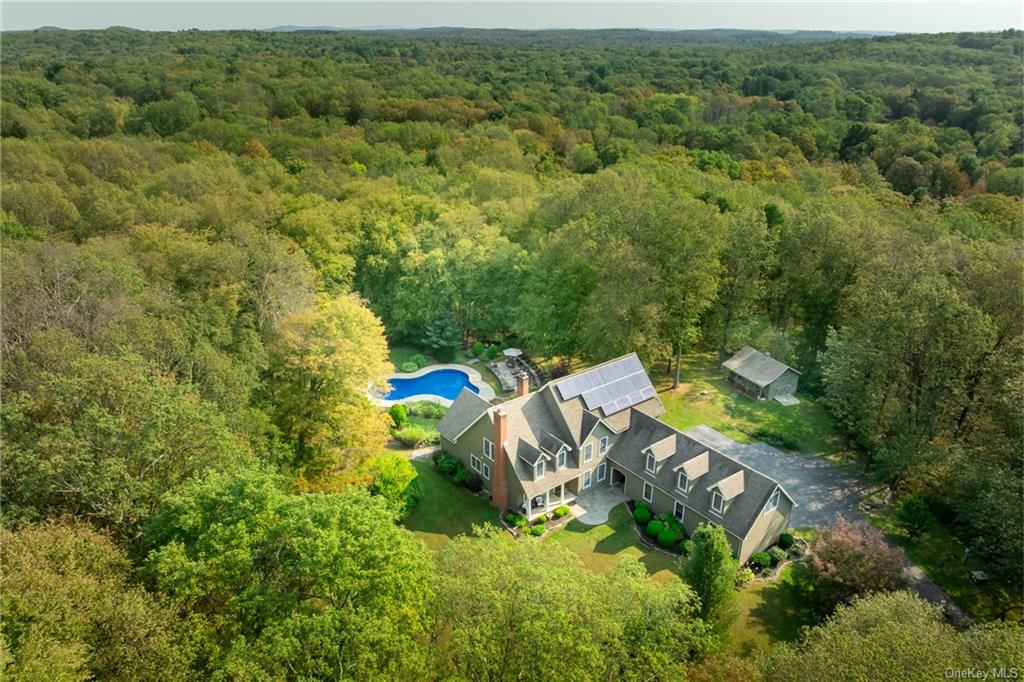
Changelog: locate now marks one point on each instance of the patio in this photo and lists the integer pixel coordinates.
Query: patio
(593, 505)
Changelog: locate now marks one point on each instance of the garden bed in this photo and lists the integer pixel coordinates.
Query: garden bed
(658, 532)
(517, 524)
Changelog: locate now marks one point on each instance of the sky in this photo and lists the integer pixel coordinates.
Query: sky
(865, 15)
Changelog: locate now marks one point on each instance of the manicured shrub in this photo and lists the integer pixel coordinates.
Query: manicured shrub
(521, 521)
(411, 435)
(654, 527)
(760, 560)
(492, 351)
(510, 517)
(419, 360)
(541, 520)
(642, 515)
(446, 464)
(743, 576)
(398, 414)
(409, 366)
(667, 537)
(562, 511)
(786, 540)
(537, 531)
(777, 554)
(478, 348)
(474, 482)
(461, 473)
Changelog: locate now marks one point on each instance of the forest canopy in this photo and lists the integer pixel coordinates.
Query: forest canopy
(210, 239)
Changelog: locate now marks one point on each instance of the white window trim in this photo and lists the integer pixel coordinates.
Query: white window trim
(488, 449)
(588, 452)
(650, 464)
(676, 504)
(683, 482)
(540, 464)
(773, 501)
(588, 478)
(603, 445)
(717, 495)
(602, 471)
(650, 497)
(474, 463)
(486, 472)
(560, 461)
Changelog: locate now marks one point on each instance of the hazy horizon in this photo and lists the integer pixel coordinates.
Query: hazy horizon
(871, 17)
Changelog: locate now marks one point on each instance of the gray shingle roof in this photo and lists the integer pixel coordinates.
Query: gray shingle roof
(466, 409)
(742, 511)
(755, 366)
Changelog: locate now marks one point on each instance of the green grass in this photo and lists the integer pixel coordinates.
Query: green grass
(704, 397)
(464, 356)
(773, 612)
(401, 354)
(445, 510)
(602, 547)
(940, 554)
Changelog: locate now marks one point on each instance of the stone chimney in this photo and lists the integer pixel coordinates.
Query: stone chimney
(499, 484)
(522, 384)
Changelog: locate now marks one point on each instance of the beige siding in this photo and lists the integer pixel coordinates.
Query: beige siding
(765, 531)
(472, 443)
(595, 440)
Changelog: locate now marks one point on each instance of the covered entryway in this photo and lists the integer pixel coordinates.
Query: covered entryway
(618, 479)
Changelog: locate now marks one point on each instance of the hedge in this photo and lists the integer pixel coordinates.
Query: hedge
(561, 511)
(654, 527)
(761, 559)
(642, 515)
(786, 540)
(537, 530)
(667, 537)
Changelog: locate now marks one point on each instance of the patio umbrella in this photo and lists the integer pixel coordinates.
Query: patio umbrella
(512, 352)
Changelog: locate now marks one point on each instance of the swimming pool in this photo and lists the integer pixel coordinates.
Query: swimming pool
(445, 383)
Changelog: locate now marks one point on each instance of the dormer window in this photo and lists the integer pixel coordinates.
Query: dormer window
(683, 482)
(773, 503)
(588, 452)
(717, 502)
(650, 463)
(604, 445)
(538, 469)
(560, 460)
(488, 449)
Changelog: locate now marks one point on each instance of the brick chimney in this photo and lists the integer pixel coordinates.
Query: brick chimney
(522, 384)
(499, 486)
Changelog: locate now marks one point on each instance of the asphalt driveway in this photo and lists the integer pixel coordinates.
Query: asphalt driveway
(821, 489)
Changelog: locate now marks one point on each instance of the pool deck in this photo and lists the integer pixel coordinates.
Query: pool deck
(485, 390)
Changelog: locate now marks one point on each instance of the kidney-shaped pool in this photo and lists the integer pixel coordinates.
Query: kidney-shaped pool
(444, 383)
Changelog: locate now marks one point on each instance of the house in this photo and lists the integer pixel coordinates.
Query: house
(760, 375)
(601, 427)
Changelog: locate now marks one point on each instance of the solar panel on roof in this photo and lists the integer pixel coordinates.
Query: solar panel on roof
(610, 388)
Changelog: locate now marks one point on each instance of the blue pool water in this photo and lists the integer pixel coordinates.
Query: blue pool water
(441, 382)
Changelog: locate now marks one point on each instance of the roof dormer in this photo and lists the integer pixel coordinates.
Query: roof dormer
(724, 490)
(658, 451)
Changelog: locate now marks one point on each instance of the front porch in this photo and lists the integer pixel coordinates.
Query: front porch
(551, 499)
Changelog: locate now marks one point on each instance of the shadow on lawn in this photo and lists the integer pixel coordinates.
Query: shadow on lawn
(788, 605)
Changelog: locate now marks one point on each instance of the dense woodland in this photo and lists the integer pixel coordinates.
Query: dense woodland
(210, 239)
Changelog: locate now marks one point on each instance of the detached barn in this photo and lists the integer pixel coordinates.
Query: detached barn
(760, 375)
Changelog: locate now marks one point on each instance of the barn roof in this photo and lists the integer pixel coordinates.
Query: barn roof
(756, 367)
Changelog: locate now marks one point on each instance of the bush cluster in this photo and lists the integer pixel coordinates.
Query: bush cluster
(537, 531)
(412, 436)
(561, 511)
(786, 540)
(760, 559)
(408, 366)
(398, 414)
(667, 538)
(426, 409)
(478, 349)
(541, 520)
(654, 526)
(418, 360)
(743, 576)
(777, 555)
(457, 471)
(642, 514)
(776, 439)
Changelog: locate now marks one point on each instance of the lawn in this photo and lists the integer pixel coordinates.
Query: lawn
(773, 611)
(445, 510)
(602, 547)
(940, 554)
(704, 397)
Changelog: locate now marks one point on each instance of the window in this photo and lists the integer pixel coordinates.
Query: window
(488, 449)
(602, 471)
(588, 452)
(486, 473)
(773, 503)
(677, 511)
(649, 464)
(474, 463)
(588, 478)
(604, 444)
(683, 483)
(648, 492)
(561, 459)
(538, 469)
(717, 501)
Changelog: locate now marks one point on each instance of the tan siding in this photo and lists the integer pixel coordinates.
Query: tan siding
(472, 442)
(765, 531)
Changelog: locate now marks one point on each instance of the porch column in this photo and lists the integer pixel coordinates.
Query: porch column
(528, 501)
(546, 504)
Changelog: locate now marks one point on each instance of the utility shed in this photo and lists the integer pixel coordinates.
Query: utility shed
(760, 375)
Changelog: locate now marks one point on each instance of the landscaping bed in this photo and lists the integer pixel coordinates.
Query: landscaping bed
(659, 532)
(519, 526)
